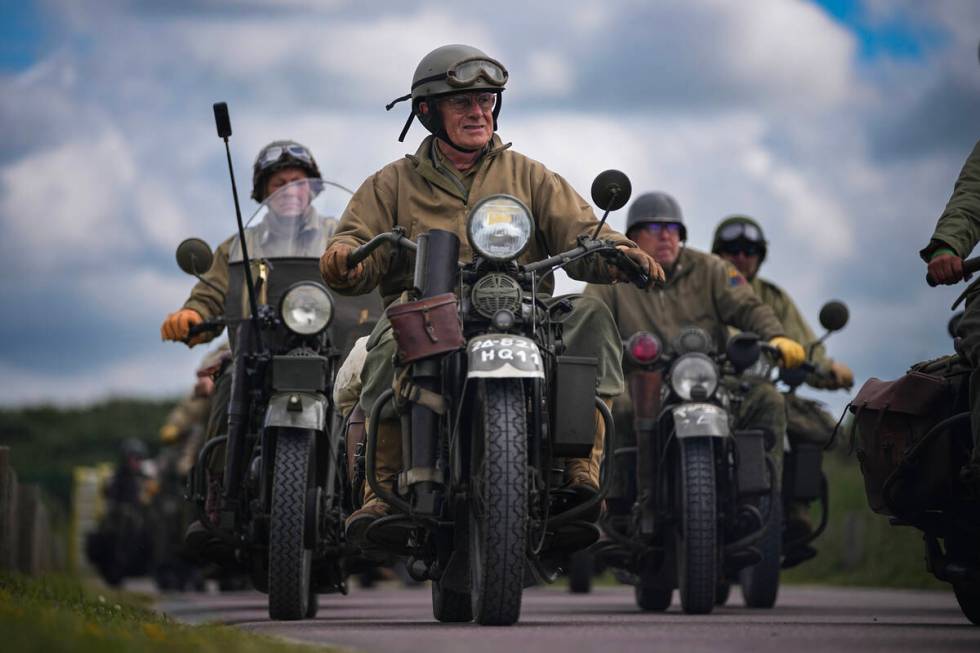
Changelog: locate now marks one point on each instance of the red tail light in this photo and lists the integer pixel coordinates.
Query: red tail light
(643, 347)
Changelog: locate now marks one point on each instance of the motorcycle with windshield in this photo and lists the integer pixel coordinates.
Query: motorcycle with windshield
(914, 441)
(283, 496)
(703, 492)
(495, 404)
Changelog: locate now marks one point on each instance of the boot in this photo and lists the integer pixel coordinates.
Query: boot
(387, 464)
(198, 535)
(798, 522)
(582, 474)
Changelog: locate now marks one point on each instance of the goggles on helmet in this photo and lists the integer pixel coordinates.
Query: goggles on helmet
(467, 72)
(741, 246)
(276, 152)
(741, 230)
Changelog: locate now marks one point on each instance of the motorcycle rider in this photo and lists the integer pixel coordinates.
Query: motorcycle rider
(278, 164)
(456, 95)
(701, 291)
(740, 240)
(955, 236)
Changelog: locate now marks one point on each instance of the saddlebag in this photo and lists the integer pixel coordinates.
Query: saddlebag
(427, 327)
(356, 442)
(574, 418)
(890, 419)
(753, 473)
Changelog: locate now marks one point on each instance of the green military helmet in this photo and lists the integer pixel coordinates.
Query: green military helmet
(447, 70)
(655, 207)
(739, 228)
(276, 156)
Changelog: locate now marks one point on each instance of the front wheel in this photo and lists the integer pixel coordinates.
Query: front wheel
(498, 506)
(697, 534)
(290, 559)
(760, 582)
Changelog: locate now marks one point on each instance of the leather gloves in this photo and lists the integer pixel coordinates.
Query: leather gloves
(642, 259)
(177, 327)
(790, 350)
(945, 266)
(841, 374)
(334, 270)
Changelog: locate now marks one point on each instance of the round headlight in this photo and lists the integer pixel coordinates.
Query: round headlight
(691, 371)
(306, 308)
(499, 227)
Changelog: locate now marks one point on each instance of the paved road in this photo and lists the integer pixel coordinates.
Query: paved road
(806, 619)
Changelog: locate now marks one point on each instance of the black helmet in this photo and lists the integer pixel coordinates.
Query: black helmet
(448, 70)
(655, 207)
(276, 156)
(739, 228)
(133, 448)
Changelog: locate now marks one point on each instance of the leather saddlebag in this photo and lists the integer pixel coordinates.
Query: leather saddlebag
(427, 327)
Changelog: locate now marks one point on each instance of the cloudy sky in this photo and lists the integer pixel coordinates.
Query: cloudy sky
(840, 125)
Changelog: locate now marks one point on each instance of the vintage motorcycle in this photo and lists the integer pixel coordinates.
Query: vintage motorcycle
(712, 502)
(913, 437)
(284, 481)
(495, 403)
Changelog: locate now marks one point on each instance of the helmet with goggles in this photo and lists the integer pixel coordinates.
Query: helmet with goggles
(449, 70)
(656, 207)
(278, 155)
(739, 232)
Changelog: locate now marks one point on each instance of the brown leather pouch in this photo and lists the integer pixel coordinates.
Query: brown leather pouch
(356, 439)
(427, 327)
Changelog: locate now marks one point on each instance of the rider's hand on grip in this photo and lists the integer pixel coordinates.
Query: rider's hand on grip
(791, 351)
(842, 375)
(177, 327)
(644, 262)
(334, 269)
(945, 268)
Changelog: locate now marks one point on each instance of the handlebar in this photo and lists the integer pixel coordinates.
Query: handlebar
(970, 266)
(206, 326)
(587, 246)
(396, 237)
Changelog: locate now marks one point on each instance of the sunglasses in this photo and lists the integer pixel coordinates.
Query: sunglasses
(276, 152)
(655, 228)
(462, 102)
(746, 248)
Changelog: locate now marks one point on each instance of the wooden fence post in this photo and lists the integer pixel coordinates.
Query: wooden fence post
(8, 512)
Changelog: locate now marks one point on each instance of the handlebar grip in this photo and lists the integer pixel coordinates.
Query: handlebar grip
(970, 266)
(637, 276)
(357, 256)
(204, 327)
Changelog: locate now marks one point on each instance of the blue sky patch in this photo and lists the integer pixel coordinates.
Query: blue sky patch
(899, 36)
(21, 32)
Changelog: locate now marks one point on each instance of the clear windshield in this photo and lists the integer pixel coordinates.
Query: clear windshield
(295, 221)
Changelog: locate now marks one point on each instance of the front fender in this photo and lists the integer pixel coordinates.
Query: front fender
(700, 420)
(302, 410)
(504, 356)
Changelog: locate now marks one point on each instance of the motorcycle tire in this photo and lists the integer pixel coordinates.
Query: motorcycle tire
(581, 567)
(697, 536)
(760, 582)
(722, 591)
(290, 560)
(449, 606)
(968, 596)
(498, 507)
(653, 597)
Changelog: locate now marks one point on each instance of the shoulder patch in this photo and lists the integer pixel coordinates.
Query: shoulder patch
(735, 277)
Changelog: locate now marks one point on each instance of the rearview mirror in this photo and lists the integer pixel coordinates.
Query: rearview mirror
(834, 315)
(611, 190)
(194, 256)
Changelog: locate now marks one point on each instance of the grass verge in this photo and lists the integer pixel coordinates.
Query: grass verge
(56, 614)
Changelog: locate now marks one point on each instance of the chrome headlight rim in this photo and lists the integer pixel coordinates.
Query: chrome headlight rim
(471, 221)
(696, 362)
(294, 293)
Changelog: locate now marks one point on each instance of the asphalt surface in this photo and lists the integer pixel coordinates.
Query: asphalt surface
(394, 620)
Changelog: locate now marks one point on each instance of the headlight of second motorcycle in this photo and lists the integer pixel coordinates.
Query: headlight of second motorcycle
(499, 227)
(692, 371)
(306, 308)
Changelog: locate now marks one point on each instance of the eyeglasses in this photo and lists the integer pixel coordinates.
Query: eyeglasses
(741, 246)
(467, 72)
(273, 154)
(737, 230)
(656, 228)
(461, 103)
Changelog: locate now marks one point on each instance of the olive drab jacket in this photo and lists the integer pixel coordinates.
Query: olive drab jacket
(413, 193)
(796, 328)
(959, 225)
(701, 291)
